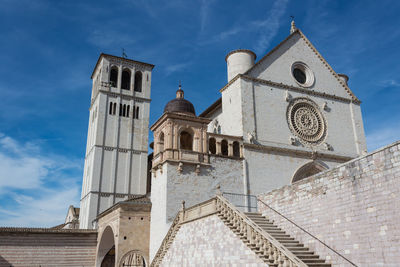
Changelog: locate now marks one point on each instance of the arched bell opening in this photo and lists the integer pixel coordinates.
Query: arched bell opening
(308, 170)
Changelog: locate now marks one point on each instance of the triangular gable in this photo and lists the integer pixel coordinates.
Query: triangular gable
(276, 66)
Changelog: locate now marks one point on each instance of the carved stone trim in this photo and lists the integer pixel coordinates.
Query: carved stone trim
(306, 121)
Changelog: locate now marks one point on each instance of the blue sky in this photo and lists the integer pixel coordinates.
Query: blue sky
(49, 48)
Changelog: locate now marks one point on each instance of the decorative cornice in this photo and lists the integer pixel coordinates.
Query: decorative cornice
(354, 98)
(121, 95)
(324, 62)
(127, 60)
(120, 149)
(179, 116)
(293, 89)
(300, 152)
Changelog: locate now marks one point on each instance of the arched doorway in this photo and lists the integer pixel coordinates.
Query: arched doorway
(308, 170)
(106, 249)
(186, 140)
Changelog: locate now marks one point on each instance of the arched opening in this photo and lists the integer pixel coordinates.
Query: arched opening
(236, 149)
(133, 258)
(106, 249)
(137, 113)
(114, 76)
(138, 81)
(212, 147)
(308, 170)
(186, 140)
(126, 79)
(161, 142)
(224, 147)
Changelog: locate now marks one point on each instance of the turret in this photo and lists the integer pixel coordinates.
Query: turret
(239, 61)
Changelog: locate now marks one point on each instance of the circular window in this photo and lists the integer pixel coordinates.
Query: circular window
(306, 121)
(302, 74)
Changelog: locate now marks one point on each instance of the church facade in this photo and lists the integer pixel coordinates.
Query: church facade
(273, 173)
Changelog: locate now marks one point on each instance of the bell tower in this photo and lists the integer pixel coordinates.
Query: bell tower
(116, 151)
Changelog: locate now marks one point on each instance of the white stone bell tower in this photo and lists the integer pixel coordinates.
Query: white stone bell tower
(117, 141)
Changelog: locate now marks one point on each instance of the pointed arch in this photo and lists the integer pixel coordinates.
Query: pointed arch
(308, 170)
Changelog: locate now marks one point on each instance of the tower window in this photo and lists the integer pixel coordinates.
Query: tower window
(115, 108)
(137, 113)
(138, 81)
(114, 76)
(120, 109)
(126, 80)
(127, 110)
(110, 109)
(124, 111)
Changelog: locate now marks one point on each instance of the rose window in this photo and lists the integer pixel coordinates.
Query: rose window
(306, 121)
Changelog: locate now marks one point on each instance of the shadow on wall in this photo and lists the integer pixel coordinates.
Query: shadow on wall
(4, 262)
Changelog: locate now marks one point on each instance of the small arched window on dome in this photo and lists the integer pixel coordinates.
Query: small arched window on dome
(224, 147)
(126, 79)
(138, 81)
(236, 149)
(114, 76)
(186, 140)
(212, 148)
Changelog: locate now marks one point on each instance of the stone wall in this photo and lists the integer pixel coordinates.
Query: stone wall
(353, 208)
(209, 242)
(170, 187)
(31, 247)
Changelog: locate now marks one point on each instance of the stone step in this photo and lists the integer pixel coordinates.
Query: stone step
(307, 256)
(293, 249)
(319, 264)
(313, 261)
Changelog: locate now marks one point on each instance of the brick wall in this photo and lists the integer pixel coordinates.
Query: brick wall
(209, 242)
(354, 208)
(47, 247)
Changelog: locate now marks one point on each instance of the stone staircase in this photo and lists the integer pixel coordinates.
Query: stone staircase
(298, 249)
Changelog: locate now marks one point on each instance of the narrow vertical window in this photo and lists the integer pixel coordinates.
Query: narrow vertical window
(114, 76)
(138, 81)
(120, 109)
(127, 111)
(137, 113)
(134, 112)
(126, 80)
(124, 111)
(110, 109)
(115, 108)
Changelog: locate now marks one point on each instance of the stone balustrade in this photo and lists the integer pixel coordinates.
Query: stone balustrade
(261, 242)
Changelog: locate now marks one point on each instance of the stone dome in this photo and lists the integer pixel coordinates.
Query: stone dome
(179, 104)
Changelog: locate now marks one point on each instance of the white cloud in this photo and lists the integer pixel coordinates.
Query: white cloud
(35, 188)
(204, 12)
(270, 26)
(383, 136)
(176, 67)
(267, 28)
